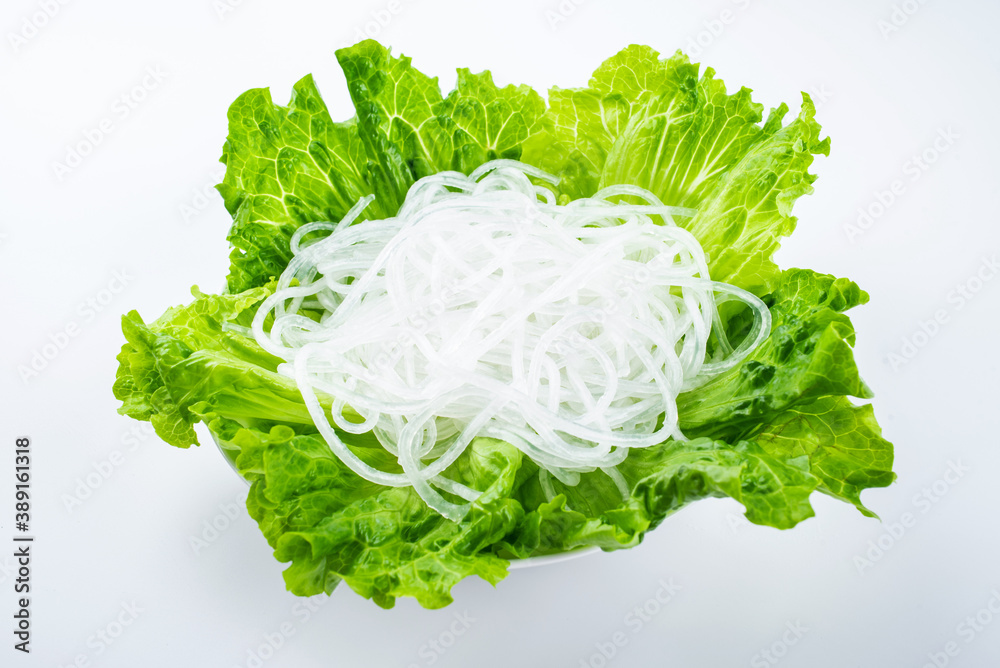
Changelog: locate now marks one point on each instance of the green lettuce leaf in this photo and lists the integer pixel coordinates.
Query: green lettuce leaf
(808, 355)
(383, 542)
(487, 122)
(582, 124)
(654, 123)
(741, 224)
(186, 359)
(774, 489)
(334, 526)
(403, 136)
(843, 442)
(286, 166)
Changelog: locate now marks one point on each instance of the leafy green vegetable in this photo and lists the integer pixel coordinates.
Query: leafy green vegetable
(767, 433)
(843, 442)
(383, 542)
(655, 124)
(808, 355)
(403, 137)
(285, 166)
(489, 123)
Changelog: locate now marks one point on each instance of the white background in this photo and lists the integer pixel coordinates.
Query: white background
(883, 97)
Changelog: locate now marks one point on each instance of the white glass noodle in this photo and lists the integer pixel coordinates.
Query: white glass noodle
(484, 308)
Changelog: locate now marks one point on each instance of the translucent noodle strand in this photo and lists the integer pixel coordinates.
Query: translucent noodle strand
(486, 309)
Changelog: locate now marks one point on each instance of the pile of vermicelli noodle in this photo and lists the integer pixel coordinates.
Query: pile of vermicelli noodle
(484, 308)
